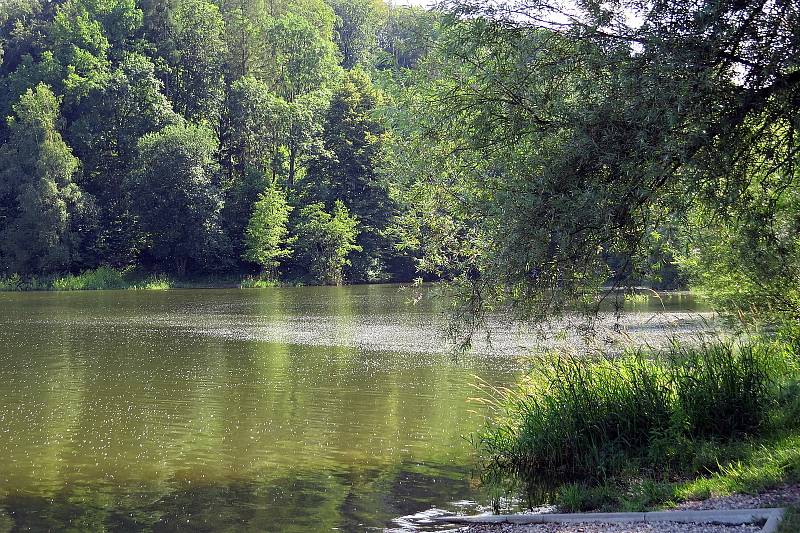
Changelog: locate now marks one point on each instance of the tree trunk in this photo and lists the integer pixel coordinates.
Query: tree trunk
(180, 266)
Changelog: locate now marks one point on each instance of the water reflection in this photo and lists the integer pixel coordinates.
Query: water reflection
(267, 410)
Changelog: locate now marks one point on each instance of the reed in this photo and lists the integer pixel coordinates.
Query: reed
(659, 415)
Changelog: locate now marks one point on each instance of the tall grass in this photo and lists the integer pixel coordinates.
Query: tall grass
(257, 282)
(15, 282)
(99, 279)
(588, 420)
(102, 278)
(153, 283)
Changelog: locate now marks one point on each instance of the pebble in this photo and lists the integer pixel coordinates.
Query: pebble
(780, 496)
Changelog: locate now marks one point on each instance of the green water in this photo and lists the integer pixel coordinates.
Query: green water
(297, 409)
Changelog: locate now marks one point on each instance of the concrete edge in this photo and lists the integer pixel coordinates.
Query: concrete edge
(774, 521)
(772, 516)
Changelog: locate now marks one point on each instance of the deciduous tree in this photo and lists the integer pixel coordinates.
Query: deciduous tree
(37, 193)
(266, 236)
(175, 194)
(325, 240)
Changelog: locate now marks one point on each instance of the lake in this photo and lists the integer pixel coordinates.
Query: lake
(289, 409)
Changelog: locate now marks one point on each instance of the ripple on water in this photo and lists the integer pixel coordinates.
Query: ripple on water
(222, 408)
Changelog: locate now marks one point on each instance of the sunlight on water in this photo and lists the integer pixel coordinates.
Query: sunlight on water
(309, 409)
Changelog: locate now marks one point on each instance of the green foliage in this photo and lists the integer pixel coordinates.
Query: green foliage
(260, 124)
(258, 131)
(174, 195)
(101, 279)
(11, 283)
(407, 36)
(80, 45)
(302, 57)
(266, 236)
(195, 80)
(325, 240)
(242, 18)
(152, 283)
(104, 133)
(590, 421)
(259, 75)
(357, 23)
(348, 169)
(257, 283)
(747, 262)
(37, 193)
(545, 149)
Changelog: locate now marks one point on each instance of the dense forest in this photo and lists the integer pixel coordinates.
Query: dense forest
(203, 137)
(530, 151)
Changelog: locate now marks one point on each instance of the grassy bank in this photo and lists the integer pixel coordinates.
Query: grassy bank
(105, 278)
(647, 428)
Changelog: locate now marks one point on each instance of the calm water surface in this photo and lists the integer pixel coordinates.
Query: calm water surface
(296, 409)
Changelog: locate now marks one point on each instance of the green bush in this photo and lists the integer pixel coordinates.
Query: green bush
(15, 282)
(99, 279)
(153, 283)
(585, 421)
(251, 282)
(11, 283)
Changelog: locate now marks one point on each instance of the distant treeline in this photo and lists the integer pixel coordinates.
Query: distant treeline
(199, 136)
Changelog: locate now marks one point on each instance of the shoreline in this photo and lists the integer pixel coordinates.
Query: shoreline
(783, 496)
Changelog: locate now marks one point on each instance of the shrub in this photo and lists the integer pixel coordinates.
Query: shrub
(589, 420)
(251, 282)
(99, 279)
(11, 283)
(325, 240)
(154, 283)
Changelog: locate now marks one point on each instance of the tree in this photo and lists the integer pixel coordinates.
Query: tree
(260, 74)
(80, 46)
(348, 168)
(325, 240)
(357, 23)
(255, 151)
(563, 141)
(266, 234)
(28, 74)
(242, 21)
(301, 58)
(175, 194)
(259, 128)
(256, 37)
(195, 82)
(104, 134)
(118, 21)
(22, 31)
(407, 36)
(746, 259)
(298, 61)
(37, 194)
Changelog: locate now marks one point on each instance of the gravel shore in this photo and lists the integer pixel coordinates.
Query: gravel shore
(781, 496)
(635, 527)
(778, 497)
